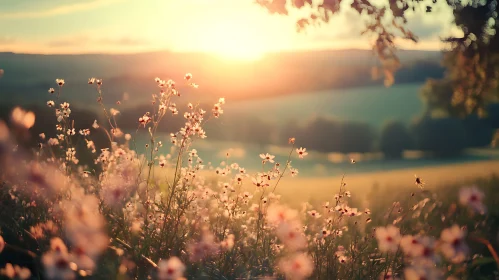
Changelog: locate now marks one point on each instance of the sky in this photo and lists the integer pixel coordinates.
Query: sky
(230, 27)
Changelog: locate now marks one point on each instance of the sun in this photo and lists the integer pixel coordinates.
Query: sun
(233, 40)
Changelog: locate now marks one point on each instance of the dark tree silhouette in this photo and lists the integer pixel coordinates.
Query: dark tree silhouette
(395, 138)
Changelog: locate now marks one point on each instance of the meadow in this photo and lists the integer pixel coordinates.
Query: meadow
(150, 212)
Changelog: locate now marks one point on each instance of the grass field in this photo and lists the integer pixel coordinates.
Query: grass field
(298, 189)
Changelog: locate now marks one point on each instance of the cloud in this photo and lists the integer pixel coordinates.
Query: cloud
(123, 41)
(424, 29)
(5, 40)
(60, 10)
(84, 40)
(69, 42)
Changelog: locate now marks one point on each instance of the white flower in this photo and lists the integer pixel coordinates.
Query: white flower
(50, 103)
(267, 157)
(301, 152)
(473, 198)
(452, 244)
(259, 182)
(95, 125)
(114, 112)
(51, 90)
(314, 214)
(388, 238)
(60, 82)
(171, 269)
(144, 120)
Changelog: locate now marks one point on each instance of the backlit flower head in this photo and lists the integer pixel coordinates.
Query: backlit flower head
(388, 238)
(473, 198)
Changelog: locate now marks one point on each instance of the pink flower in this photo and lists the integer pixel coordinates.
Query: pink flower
(171, 269)
(388, 238)
(453, 245)
(297, 267)
(473, 198)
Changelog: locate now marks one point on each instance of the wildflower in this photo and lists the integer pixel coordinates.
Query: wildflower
(293, 172)
(267, 157)
(388, 238)
(473, 198)
(342, 259)
(53, 142)
(217, 110)
(56, 261)
(259, 182)
(325, 232)
(91, 81)
(51, 90)
(171, 269)
(277, 214)
(50, 103)
(71, 131)
(314, 214)
(221, 100)
(60, 82)
(145, 119)
(301, 152)
(297, 267)
(114, 112)
(84, 132)
(15, 272)
(453, 245)
(98, 82)
(418, 247)
(22, 118)
(291, 140)
(95, 125)
(291, 236)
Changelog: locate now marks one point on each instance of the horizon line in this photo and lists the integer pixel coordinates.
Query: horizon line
(208, 52)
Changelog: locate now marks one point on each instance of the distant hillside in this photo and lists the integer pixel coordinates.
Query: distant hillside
(27, 77)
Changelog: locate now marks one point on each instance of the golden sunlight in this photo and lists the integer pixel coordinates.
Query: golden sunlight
(234, 40)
